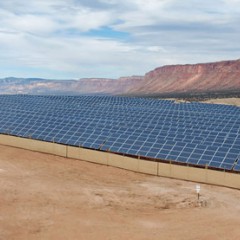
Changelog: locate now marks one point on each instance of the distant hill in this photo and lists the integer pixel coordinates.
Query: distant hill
(178, 79)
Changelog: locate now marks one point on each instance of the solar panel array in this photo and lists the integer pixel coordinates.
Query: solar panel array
(189, 133)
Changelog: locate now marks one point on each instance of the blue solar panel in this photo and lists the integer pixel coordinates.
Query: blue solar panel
(192, 133)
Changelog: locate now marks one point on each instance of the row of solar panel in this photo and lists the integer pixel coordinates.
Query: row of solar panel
(200, 135)
(176, 107)
(199, 128)
(151, 138)
(123, 131)
(179, 116)
(219, 126)
(89, 136)
(165, 115)
(123, 101)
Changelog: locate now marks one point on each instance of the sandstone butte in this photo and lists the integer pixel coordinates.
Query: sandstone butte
(204, 77)
(189, 78)
(219, 76)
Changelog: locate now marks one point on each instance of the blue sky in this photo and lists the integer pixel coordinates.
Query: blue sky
(72, 39)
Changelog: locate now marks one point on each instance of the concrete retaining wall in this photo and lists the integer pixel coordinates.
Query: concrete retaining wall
(87, 155)
(30, 144)
(137, 165)
(148, 167)
(199, 175)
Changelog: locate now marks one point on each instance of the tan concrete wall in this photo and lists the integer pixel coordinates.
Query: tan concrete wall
(115, 160)
(148, 167)
(130, 163)
(52, 148)
(93, 156)
(15, 141)
(164, 169)
(232, 180)
(215, 177)
(103, 158)
(137, 165)
(34, 145)
(199, 175)
(179, 172)
(73, 152)
(87, 155)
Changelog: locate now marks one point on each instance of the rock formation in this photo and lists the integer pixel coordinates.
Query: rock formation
(195, 78)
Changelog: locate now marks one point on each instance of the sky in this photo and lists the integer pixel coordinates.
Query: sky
(72, 39)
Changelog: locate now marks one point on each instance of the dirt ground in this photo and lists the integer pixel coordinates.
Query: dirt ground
(225, 101)
(228, 101)
(49, 197)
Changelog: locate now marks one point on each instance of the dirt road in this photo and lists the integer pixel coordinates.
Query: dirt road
(49, 197)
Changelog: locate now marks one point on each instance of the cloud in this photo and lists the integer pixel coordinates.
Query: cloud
(110, 38)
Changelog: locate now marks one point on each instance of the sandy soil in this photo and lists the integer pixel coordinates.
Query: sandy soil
(49, 197)
(228, 101)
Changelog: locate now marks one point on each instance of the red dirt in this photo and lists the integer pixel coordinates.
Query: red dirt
(49, 197)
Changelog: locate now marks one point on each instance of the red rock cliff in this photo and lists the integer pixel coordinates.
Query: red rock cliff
(218, 76)
(205, 77)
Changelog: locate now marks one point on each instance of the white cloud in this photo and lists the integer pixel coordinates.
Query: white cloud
(85, 20)
(53, 35)
(28, 24)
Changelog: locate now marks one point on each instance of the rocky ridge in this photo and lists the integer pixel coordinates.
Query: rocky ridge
(189, 78)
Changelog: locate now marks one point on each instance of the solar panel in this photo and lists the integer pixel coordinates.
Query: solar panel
(192, 133)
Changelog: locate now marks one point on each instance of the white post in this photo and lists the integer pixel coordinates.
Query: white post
(198, 188)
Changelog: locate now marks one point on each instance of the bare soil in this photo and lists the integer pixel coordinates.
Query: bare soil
(227, 101)
(224, 101)
(49, 197)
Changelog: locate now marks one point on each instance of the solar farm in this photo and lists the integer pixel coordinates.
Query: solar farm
(104, 167)
(195, 134)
